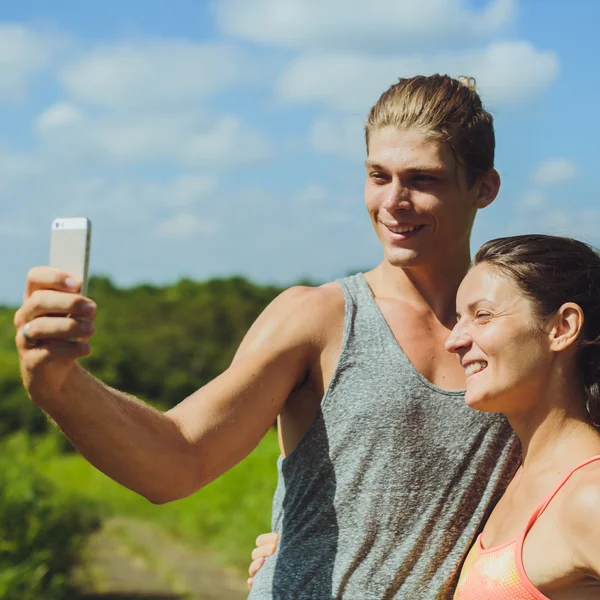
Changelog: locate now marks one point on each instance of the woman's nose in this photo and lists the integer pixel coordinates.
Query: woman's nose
(457, 339)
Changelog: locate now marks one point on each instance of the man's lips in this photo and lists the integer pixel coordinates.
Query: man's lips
(402, 230)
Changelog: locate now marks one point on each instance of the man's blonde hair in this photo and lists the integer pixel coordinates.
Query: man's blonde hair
(448, 109)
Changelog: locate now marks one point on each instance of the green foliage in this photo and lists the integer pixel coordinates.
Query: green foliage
(162, 344)
(159, 344)
(42, 529)
(226, 516)
(16, 411)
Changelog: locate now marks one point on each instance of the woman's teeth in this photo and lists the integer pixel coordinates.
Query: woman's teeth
(475, 367)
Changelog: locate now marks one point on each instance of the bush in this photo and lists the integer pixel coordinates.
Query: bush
(42, 529)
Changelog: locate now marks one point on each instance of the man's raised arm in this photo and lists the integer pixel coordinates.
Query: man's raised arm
(162, 456)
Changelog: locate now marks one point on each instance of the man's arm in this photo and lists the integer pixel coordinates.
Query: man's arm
(164, 456)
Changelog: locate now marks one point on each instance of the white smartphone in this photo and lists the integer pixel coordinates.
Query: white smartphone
(70, 240)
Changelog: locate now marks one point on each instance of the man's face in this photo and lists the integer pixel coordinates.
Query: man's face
(417, 195)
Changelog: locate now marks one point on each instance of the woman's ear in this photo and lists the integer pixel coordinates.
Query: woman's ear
(489, 186)
(568, 323)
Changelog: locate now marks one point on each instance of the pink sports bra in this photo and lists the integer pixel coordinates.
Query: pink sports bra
(497, 573)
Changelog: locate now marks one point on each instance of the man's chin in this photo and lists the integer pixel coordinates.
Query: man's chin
(402, 257)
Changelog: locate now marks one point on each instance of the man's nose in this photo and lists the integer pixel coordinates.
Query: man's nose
(398, 198)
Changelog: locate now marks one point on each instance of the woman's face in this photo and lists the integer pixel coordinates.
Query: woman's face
(500, 343)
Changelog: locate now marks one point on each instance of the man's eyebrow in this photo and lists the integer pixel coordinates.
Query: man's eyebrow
(372, 165)
(418, 168)
(427, 168)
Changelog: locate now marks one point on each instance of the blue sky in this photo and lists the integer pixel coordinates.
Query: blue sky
(213, 138)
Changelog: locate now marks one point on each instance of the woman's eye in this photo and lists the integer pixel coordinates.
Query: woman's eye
(483, 316)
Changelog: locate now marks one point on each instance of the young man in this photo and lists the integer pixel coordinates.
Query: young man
(387, 475)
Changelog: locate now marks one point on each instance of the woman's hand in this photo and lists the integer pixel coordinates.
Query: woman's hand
(265, 546)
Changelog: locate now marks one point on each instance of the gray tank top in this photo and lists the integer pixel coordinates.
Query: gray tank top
(387, 490)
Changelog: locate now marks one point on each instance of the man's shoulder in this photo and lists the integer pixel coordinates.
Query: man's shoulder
(311, 307)
(301, 316)
(322, 297)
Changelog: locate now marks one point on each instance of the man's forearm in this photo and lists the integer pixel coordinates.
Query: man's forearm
(128, 440)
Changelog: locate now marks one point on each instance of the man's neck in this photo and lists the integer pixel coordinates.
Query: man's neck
(429, 287)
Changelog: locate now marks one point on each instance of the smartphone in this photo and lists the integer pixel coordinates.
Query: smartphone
(70, 240)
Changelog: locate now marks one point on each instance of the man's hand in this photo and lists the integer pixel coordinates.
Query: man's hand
(266, 545)
(54, 326)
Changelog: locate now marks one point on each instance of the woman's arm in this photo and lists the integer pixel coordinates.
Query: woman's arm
(266, 545)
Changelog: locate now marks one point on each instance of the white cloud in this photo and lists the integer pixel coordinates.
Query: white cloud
(228, 143)
(339, 137)
(184, 225)
(183, 138)
(189, 189)
(58, 115)
(137, 199)
(531, 200)
(554, 171)
(24, 52)
(146, 101)
(15, 166)
(118, 198)
(152, 73)
(17, 229)
(583, 224)
(507, 73)
(364, 25)
(311, 194)
(338, 218)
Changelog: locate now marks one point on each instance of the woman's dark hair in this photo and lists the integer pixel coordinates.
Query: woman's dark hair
(552, 270)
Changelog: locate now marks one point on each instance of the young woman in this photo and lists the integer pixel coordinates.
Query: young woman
(528, 337)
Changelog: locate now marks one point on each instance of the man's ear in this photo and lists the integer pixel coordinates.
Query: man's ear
(568, 323)
(488, 186)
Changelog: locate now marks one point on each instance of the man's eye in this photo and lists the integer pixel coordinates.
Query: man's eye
(379, 177)
(483, 316)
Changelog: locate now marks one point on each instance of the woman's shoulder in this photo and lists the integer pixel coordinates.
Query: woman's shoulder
(580, 516)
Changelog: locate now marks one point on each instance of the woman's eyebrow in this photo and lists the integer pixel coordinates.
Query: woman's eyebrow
(475, 303)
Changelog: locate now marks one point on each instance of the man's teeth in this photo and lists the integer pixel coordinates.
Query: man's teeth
(404, 229)
(475, 367)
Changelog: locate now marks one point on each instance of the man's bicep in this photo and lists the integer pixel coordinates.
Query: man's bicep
(282, 321)
(227, 418)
